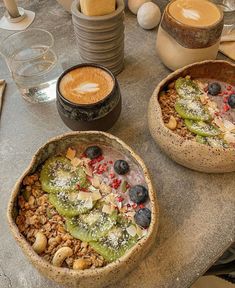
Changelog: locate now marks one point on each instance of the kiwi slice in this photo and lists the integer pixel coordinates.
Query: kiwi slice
(58, 175)
(91, 226)
(189, 109)
(201, 128)
(67, 205)
(115, 244)
(201, 139)
(187, 88)
(215, 142)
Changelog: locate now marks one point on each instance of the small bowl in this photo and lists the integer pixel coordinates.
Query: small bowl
(189, 153)
(98, 277)
(98, 116)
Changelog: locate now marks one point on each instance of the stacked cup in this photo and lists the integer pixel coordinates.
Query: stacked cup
(100, 39)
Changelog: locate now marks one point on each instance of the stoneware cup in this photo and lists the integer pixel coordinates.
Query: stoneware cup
(98, 277)
(190, 153)
(100, 34)
(99, 116)
(179, 44)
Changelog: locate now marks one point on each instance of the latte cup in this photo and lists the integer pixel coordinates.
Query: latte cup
(189, 32)
(88, 97)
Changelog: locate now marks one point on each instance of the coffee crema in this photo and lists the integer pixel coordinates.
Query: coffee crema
(86, 85)
(197, 13)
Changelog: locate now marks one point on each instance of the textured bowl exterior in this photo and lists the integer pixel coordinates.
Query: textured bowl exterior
(189, 153)
(93, 278)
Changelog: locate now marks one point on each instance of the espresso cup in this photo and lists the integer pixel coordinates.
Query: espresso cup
(189, 32)
(88, 97)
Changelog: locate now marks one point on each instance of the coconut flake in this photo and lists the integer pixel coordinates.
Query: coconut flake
(105, 189)
(96, 195)
(229, 137)
(70, 153)
(107, 209)
(229, 126)
(95, 181)
(76, 162)
(131, 230)
(83, 196)
(88, 203)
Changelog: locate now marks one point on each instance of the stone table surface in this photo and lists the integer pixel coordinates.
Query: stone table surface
(196, 209)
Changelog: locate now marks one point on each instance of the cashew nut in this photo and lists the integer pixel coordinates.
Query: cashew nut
(61, 255)
(80, 264)
(172, 124)
(40, 243)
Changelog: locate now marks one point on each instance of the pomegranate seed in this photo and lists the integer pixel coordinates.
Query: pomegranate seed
(229, 88)
(226, 108)
(120, 199)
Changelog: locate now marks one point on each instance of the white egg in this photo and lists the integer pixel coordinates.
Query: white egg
(134, 5)
(149, 15)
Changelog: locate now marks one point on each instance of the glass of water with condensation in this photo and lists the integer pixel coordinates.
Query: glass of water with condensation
(33, 64)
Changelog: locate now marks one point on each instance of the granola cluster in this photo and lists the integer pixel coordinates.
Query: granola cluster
(167, 101)
(36, 215)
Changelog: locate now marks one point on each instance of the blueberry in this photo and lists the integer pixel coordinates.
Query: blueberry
(231, 100)
(214, 88)
(93, 152)
(121, 167)
(143, 217)
(138, 194)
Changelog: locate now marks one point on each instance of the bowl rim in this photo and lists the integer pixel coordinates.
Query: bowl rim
(158, 89)
(34, 257)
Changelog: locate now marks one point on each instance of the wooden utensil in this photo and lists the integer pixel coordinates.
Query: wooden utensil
(2, 89)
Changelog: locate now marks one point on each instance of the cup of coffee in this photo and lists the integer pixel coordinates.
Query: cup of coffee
(189, 32)
(88, 97)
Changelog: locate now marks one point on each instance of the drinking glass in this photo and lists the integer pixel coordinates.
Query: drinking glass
(33, 63)
(228, 6)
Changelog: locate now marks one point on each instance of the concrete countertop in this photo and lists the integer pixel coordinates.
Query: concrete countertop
(196, 210)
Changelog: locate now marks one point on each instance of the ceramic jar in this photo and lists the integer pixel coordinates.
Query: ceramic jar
(98, 116)
(100, 39)
(179, 44)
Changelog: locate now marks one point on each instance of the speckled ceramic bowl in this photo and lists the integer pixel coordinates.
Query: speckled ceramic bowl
(92, 278)
(189, 153)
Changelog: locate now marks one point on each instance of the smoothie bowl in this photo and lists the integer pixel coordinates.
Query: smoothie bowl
(192, 116)
(84, 212)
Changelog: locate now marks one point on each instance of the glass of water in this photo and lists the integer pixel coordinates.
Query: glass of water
(228, 7)
(33, 64)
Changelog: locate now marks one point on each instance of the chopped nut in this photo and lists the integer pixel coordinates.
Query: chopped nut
(172, 124)
(80, 264)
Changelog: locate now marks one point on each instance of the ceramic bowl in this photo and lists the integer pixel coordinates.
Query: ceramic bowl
(189, 153)
(98, 277)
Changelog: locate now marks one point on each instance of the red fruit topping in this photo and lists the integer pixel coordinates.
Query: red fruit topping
(229, 87)
(81, 188)
(128, 205)
(226, 107)
(112, 175)
(134, 206)
(225, 100)
(120, 199)
(141, 206)
(115, 183)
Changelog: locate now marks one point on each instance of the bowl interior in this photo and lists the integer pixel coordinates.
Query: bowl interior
(60, 144)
